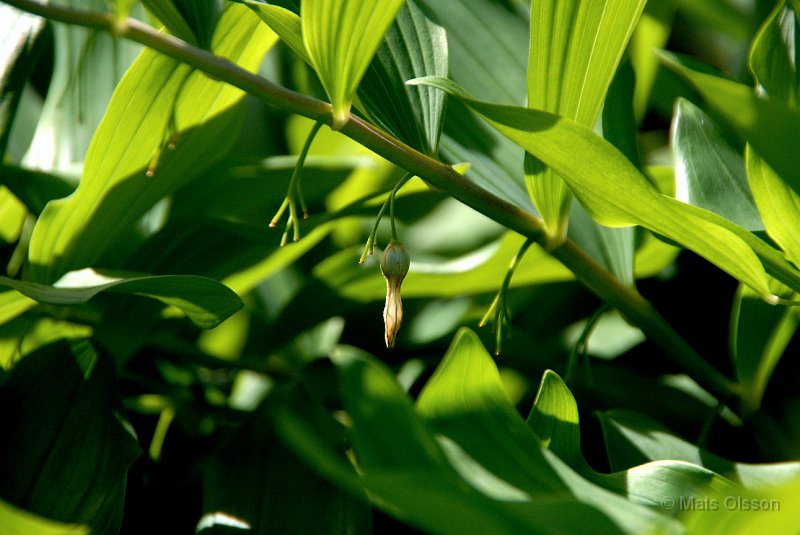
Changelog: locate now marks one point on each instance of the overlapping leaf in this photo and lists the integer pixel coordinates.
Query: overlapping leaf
(772, 61)
(115, 190)
(205, 301)
(341, 37)
(769, 126)
(760, 334)
(554, 418)
(613, 191)
(708, 172)
(574, 52)
(78, 442)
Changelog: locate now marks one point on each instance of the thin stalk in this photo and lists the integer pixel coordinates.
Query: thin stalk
(369, 247)
(594, 276)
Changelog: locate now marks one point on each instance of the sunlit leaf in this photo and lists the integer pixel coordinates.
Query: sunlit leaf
(574, 52)
(709, 173)
(772, 61)
(283, 22)
(770, 126)
(115, 190)
(614, 192)
(632, 438)
(341, 37)
(554, 418)
(15, 521)
(205, 301)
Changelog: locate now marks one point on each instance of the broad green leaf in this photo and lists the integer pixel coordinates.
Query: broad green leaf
(122, 8)
(205, 301)
(115, 191)
(772, 61)
(652, 32)
(613, 191)
(632, 438)
(12, 304)
(88, 64)
(709, 173)
(465, 401)
(341, 37)
(28, 333)
(12, 214)
(202, 17)
(283, 22)
(414, 46)
(15, 521)
(769, 126)
(274, 490)
(170, 16)
(759, 336)
(35, 188)
(765, 510)
(489, 60)
(436, 484)
(554, 418)
(574, 52)
(79, 440)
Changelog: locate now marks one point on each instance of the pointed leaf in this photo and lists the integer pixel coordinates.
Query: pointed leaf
(115, 190)
(205, 301)
(15, 521)
(772, 61)
(554, 418)
(770, 126)
(414, 46)
(79, 446)
(574, 52)
(708, 172)
(759, 336)
(633, 438)
(614, 192)
(341, 37)
(283, 22)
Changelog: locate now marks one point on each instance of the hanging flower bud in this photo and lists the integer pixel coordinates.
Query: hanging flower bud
(394, 265)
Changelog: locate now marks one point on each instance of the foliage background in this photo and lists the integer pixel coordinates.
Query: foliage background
(128, 416)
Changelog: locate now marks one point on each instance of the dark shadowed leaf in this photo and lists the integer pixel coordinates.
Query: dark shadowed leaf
(60, 402)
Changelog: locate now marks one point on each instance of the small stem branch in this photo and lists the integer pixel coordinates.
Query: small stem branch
(594, 276)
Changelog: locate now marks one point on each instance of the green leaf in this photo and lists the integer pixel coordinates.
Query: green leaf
(632, 438)
(652, 32)
(274, 490)
(414, 46)
(170, 16)
(87, 65)
(759, 336)
(489, 60)
(15, 521)
(283, 22)
(770, 126)
(341, 37)
(613, 191)
(708, 172)
(555, 420)
(35, 188)
(12, 304)
(205, 301)
(574, 52)
(115, 191)
(773, 65)
(771, 509)
(78, 442)
(465, 401)
(20, 48)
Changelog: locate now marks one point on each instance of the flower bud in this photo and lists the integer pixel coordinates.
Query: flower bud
(394, 265)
